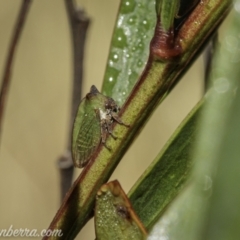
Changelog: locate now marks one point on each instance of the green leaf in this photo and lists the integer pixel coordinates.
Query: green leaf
(208, 208)
(164, 178)
(114, 216)
(167, 10)
(129, 50)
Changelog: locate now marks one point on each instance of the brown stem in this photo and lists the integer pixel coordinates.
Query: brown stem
(164, 45)
(65, 166)
(79, 23)
(11, 52)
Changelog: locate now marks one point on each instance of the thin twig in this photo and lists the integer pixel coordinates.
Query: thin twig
(79, 23)
(11, 53)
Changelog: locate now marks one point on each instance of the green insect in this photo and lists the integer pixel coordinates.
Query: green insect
(94, 121)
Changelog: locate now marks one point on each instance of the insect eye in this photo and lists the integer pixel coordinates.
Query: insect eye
(108, 106)
(116, 109)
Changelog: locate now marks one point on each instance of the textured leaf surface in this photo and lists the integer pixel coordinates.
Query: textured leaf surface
(208, 208)
(129, 48)
(168, 11)
(114, 215)
(166, 175)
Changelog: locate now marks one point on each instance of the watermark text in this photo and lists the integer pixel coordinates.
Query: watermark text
(25, 232)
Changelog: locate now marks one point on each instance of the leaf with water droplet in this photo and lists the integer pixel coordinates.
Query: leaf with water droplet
(114, 215)
(134, 29)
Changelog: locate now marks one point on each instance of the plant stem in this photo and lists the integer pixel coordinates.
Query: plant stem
(154, 84)
(79, 23)
(6, 80)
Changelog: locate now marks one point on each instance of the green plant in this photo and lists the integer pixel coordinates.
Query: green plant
(157, 80)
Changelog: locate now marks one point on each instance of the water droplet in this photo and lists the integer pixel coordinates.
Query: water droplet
(237, 6)
(128, 6)
(145, 23)
(140, 63)
(207, 183)
(221, 85)
(233, 46)
(140, 46)
(120, 21)
(114, 57)
(172, 176)
(112, 75)
(132, 20)
(133, 77)
(119, 38)
(232, 43)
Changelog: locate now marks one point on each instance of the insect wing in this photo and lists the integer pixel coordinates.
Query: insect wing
(87, 134)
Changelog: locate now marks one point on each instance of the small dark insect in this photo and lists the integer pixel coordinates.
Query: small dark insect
(123, 211)
(94, 121)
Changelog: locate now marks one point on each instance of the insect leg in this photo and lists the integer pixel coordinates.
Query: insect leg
(118, 119)
(109, 129)
(104, 131)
